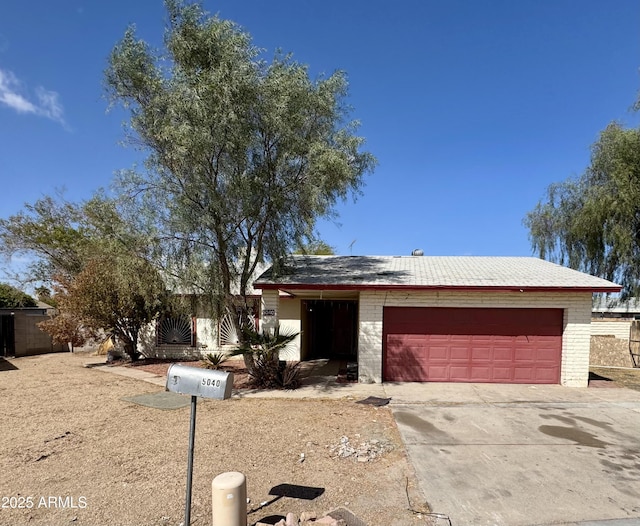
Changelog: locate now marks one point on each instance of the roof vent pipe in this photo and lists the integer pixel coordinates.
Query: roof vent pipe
(417, 252)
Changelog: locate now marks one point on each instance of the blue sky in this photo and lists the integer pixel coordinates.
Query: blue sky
(472, 107)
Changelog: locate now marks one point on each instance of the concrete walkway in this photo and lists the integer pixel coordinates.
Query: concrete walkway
(128, 372)
(320, 382)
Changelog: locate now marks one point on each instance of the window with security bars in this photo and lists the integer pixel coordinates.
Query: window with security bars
(227, 332)
(176, 330)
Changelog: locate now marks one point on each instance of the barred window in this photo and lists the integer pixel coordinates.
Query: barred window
(176, 330)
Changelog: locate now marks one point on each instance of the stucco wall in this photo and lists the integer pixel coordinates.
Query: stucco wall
(289, 317)
(206, 342)
(286, 312)
(575, 340)
(616, 328)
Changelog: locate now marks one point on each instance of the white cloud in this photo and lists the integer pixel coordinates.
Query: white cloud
(49, 104)
(12, 95)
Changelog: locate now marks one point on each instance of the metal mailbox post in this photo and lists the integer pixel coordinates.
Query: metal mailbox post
(196, 382)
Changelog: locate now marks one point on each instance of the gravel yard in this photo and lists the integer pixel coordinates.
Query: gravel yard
(74, 452)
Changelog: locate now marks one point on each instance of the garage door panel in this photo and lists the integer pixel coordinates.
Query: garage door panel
(502, 354)
(438, 338)
(408, 374)
(502, 374)
(437, 353)
(546, 355)
(472, 345)
(524, 374)
(481, 374)
(523, 355)
(481, 354)
(438, 374)
(547, 374)
(459, 372)
(459, 353)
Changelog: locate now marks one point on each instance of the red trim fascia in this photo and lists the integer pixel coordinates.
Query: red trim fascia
(300, 286)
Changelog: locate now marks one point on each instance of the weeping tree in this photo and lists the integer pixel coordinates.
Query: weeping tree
(51, 234)
(592, 223)
(244, 153)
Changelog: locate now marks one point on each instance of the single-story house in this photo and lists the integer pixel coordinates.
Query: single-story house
(439, 319)
(615, 332)
(195, 335)
(613, 317)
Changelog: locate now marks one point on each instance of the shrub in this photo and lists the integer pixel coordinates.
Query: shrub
(261, 352)
(214, 360)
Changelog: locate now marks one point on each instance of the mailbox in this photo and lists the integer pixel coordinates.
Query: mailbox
(196, 381)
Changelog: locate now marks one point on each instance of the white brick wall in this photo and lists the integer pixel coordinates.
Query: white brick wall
(270, 302)
(575, 340)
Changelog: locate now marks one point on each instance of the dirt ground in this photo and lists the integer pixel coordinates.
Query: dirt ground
(74, 452)
(629, 378)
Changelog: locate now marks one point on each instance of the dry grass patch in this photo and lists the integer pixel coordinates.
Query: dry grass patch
(69, 434)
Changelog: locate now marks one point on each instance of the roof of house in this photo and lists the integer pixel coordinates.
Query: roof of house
(430, 272)
(611, 305)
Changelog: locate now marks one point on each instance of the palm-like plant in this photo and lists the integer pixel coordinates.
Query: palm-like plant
(214, 360)
(261, 353)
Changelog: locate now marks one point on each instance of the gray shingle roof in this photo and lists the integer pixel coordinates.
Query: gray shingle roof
(355, 272)
(630, 306)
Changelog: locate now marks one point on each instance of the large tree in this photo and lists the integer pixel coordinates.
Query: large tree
(51, 233)
(13, 298)
(244, 153)
(116, 293)
(95, 264)
(592, 223)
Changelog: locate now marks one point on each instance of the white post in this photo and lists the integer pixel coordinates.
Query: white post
(229, 499)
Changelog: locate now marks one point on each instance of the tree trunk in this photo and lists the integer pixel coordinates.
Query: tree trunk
(130, 347)
(241, 320)
(249, 363)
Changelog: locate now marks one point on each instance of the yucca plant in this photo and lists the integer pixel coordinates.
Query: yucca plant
(214, 360)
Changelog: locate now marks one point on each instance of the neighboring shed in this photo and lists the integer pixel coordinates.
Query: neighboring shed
(20, 334)
(442, 319)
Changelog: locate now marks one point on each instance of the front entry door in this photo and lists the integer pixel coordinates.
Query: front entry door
(330, 329)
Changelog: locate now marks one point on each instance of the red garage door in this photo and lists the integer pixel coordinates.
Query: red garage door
(472, 345)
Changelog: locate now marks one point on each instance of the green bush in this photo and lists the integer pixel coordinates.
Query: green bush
(261, 353)
(12, 298)
(214, 360)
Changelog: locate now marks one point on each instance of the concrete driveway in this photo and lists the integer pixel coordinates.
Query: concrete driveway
(523, 455)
